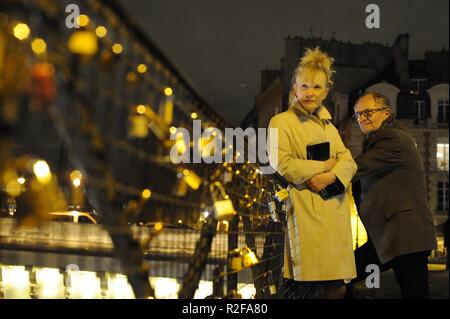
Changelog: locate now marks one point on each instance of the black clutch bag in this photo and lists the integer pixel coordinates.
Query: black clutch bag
(321, 152)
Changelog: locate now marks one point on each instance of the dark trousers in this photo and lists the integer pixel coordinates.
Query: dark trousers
(411, 271)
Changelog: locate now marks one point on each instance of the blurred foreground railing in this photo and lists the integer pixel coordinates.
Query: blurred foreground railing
(89, 120)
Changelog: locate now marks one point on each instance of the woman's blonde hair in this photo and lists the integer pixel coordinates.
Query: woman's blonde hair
(312, 62)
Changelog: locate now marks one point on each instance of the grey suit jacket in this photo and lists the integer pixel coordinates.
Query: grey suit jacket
(393, 205)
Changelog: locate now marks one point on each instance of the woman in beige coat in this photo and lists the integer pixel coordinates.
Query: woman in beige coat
(319, 251)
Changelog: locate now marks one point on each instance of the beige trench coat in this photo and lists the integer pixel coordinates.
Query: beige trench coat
(319, 236)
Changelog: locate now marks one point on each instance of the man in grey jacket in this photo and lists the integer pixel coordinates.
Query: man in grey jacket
(393, 203)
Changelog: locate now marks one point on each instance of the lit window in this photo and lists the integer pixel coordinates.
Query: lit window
(442, 156)
(418, 86)
(419, 109)
(443, 111)
(442, 196)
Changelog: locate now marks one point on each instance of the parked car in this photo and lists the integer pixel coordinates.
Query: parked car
(73, 217)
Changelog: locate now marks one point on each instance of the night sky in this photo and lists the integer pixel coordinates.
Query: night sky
(220, 47)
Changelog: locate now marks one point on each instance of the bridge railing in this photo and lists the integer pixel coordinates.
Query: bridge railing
(89, 117)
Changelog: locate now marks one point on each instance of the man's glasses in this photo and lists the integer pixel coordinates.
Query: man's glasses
(366, 113)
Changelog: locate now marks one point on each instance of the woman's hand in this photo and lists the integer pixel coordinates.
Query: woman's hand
(320, 181)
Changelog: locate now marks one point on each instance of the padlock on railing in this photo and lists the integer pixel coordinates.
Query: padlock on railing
(223, 208)
(273, 210)
(241, 258)
(281, 194)
(235, 259)
(227, 175)
(248, 257)
(223, 226)
(272, 286)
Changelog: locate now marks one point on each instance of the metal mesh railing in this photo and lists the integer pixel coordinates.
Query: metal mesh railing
(89, 118)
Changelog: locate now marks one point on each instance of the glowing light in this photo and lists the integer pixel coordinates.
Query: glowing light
(194, 115)
(76, 177)
(140, 109)
(76, 182)
(205, 213)
(165, 288)
(15, 282)
(101, 31)
(181, 147)
(142, 68)
(50, 283)
(214, 133)
(117, 48)
(119, 287)
(76, 174)
(83, 20)
(146, 193)
(180, 221)
(168, 91)
(205, 289)
(83, 42)
(158, 226)
(358, 230)
(237, 172)
(13, 188)
(85, 285)
(21, 31)
(167, 111)
(247, 291)
(38, 46)
(173, 130)
(42, 172)
(192, 179)
(21, 180)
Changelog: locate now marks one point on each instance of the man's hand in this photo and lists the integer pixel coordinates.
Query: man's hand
(329, 164)
(320, 181)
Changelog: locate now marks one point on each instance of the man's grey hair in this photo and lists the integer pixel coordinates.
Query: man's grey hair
(378, 97)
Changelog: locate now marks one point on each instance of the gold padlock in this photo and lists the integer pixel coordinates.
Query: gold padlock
(235, 258)
(273, 289)
(138, 127)
(223, 208)
(222, 226)
(272, 286)
(282, 194)
(248, 257)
